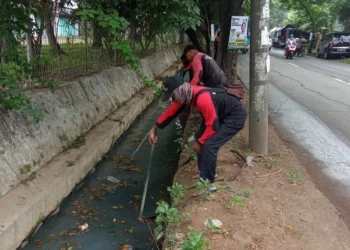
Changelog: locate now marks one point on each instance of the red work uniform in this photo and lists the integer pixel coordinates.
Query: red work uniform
(223, 116)
(207, 71)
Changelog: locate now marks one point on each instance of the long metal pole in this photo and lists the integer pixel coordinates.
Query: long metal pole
(259, 68)
(146, 183)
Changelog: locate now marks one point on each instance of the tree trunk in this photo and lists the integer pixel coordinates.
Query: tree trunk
(205, 30)
(2, 50)
(56, 48)
(182, 37)
(132, 34)
(97, 36)
(29, 43)
(228, 59)
(194, 39)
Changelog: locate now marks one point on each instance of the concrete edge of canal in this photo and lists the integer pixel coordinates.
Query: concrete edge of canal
(23, 209)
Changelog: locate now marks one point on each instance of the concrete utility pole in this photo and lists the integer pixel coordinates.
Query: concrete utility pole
(258, 77)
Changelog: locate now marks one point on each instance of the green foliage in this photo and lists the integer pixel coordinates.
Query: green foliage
(195, 242)
(25, 169)
(347, 60)
(278, 13)
(236, 201)
(147, 81)
(247, 192)
(273, 162)
(12, 96)
(106, 18)
(116, 26)
(313, 15)
(78, 142)
(123, 46)
(341, 10)
(295, 176)
(14, 69)
(212, 227)
(177, 192)
(166, 216)
(204, 186)
(246, 8)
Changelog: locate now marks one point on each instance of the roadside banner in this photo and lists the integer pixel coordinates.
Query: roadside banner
(238, 33)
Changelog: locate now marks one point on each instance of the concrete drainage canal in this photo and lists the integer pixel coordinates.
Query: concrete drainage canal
(102, 212)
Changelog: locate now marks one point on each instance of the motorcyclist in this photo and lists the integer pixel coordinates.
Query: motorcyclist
(291, 40)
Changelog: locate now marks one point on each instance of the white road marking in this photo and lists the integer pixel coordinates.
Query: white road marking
(339, 80)
(294, 65)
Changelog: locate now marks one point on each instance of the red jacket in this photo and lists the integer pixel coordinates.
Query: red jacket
(215, 105)
(204, 105)
(206, 70)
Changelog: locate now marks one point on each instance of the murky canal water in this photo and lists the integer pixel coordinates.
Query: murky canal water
(111, 210)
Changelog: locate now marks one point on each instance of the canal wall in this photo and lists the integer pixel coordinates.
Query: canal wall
(38, 166)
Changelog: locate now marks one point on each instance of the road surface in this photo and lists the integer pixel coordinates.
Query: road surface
(309, 100)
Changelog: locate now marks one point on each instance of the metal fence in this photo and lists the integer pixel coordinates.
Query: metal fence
(71, 51)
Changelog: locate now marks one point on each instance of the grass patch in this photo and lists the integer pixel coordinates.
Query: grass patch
(295, 176)
(77, 143)
(273, 162)
(236, 201)
(247, 151)
(347, 60)
(25, 169)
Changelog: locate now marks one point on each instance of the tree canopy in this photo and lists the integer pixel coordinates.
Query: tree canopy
(312, 15)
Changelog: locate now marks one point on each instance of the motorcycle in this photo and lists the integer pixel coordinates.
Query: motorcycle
(290, 51)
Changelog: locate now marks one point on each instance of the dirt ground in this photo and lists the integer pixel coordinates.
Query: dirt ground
(278, 206)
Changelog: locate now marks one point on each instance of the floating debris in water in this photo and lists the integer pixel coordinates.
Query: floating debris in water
(68, 233)
(124, 160)
(137, 197)
(83, 212)
(117, 221)
(129, 230)
(83, 227)
(132, 169)
(113, 179)
(117, 207)
(39, 243)
(126, 247)
(66, 246)
(124, 184)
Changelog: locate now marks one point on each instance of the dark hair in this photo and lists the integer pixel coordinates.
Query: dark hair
(188, 48)
(243, 23)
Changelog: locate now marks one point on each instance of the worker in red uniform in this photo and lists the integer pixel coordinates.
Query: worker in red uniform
(223, 115)
(203, 70)
(206, 71)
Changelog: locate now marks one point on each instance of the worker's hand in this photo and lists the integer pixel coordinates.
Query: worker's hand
(196, 147)
(152, 137)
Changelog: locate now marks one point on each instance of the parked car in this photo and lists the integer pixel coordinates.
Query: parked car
(336, 44)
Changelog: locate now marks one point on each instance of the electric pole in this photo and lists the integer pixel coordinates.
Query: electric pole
(258, 76)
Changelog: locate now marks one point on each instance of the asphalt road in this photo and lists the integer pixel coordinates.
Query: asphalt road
(309, 101)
